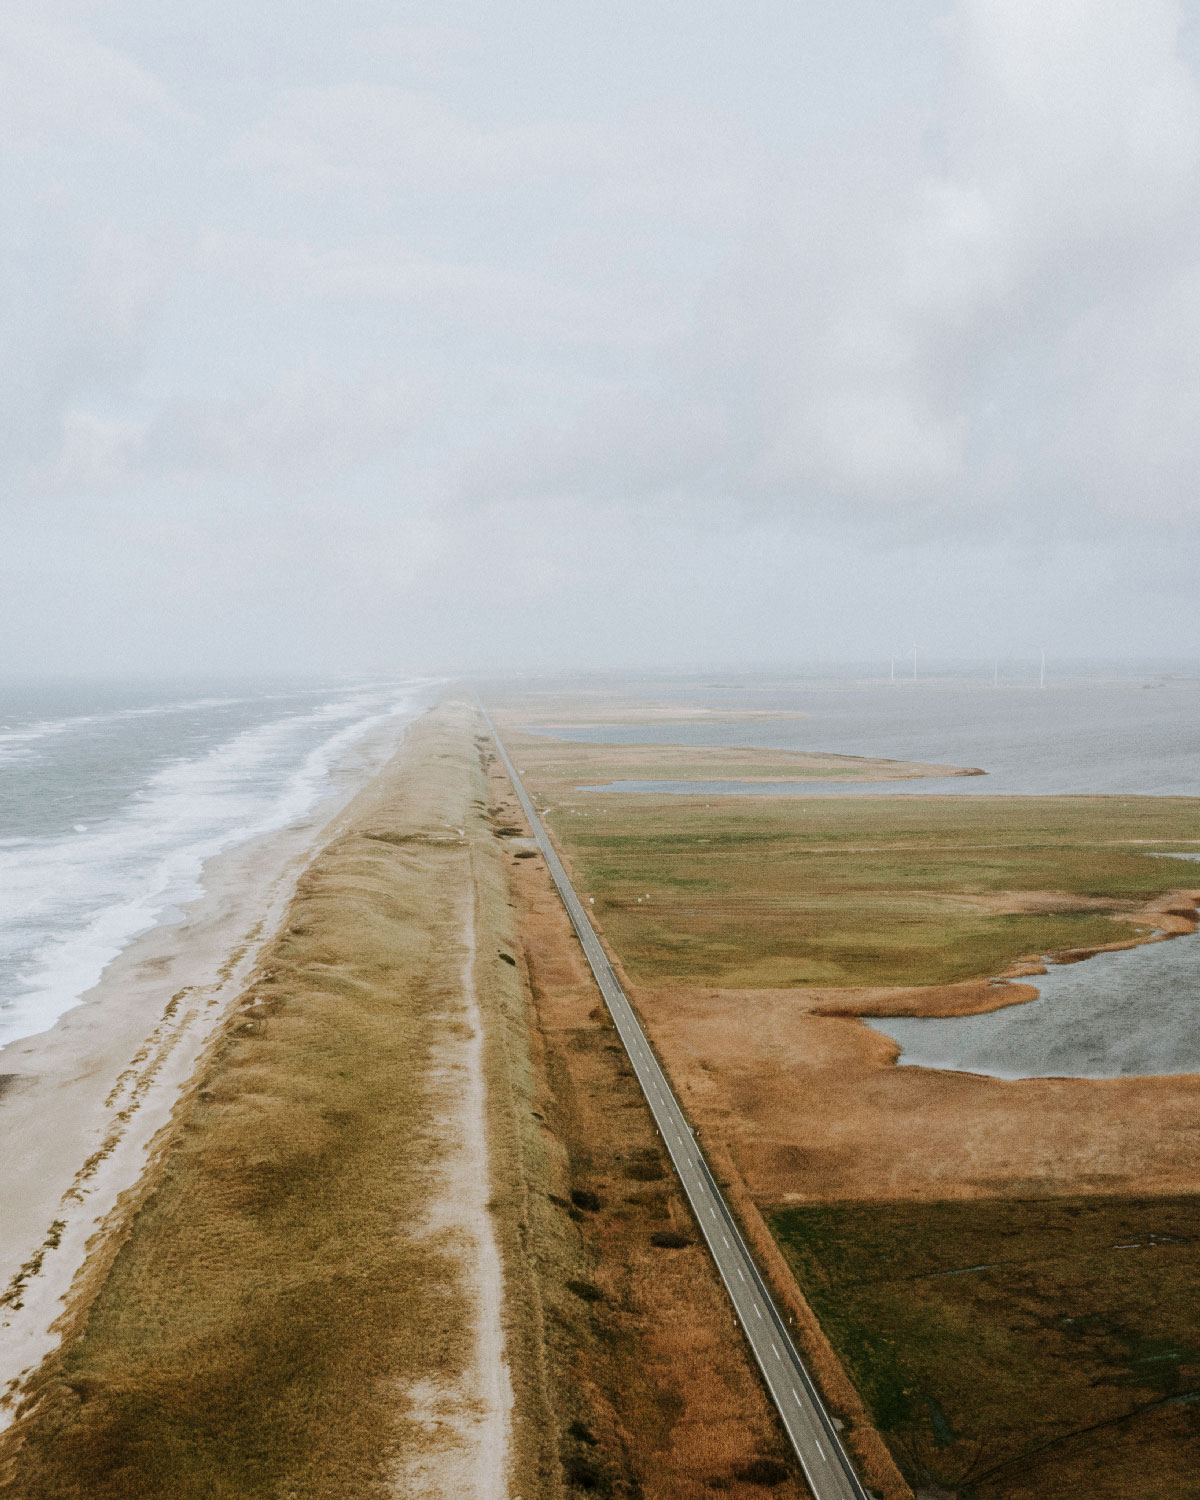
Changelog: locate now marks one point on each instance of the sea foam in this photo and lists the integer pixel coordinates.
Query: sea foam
(73, 901)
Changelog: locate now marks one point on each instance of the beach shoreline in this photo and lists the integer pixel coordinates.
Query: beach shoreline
(82, 1103)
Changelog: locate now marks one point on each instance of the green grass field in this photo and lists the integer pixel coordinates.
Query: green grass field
(862, 891)
(1010, 1349)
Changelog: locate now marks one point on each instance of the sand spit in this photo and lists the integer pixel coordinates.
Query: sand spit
(580, 710)
(562, 765)
(85, 1101)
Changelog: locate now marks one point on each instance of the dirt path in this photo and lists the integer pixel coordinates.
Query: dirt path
(468, 1422)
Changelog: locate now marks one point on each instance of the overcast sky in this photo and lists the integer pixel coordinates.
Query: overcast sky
(344, 334)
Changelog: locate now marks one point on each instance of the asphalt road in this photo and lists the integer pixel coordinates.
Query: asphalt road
(809, 1426)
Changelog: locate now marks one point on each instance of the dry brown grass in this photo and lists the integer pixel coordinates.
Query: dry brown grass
(276, 1292)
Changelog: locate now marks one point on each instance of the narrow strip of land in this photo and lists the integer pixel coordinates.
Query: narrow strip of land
(321, 1289)
(808, 1425)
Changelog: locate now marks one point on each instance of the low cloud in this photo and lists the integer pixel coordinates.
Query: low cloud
(870, 283)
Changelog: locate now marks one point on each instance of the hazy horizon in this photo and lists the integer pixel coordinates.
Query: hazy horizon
(1013, 671)
(519, 336)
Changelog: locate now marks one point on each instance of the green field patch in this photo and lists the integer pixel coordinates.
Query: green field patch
(866, 891)
(1016, 1347)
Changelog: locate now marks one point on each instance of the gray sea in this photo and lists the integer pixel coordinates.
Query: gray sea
(1133, 1012)
(1132, 737)
(113, 795)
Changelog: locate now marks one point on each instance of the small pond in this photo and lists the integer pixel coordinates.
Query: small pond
(1133, 1012)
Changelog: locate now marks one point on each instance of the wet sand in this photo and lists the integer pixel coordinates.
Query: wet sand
(83, 1102)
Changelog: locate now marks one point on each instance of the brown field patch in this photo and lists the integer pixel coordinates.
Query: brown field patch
(812, 1108)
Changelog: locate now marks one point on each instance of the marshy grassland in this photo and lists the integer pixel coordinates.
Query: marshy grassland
(748, 892)
(1009, 1272)
(277, 1315)
(1041, 1349)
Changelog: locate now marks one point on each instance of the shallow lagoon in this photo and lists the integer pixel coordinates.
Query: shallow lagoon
(1115, 1015)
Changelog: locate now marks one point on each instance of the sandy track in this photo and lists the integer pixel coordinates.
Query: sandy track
(469, 1423)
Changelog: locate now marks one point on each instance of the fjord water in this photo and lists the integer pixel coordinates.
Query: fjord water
(1130, 1012)
(112, 796)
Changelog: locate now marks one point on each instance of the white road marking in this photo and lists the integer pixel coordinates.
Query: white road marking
(758, 1309)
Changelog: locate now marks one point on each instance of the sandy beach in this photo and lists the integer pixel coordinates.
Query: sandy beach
(81, 1104)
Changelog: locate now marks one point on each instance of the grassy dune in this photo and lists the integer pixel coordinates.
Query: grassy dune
(276, 1294)
(1046, 1348)
(863, 891)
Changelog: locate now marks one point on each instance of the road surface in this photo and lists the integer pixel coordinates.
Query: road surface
(809, 1426)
